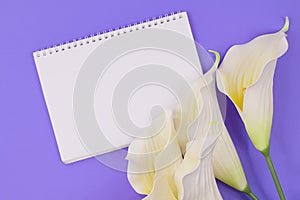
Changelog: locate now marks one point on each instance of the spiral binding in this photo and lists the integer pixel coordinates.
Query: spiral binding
(101, 36)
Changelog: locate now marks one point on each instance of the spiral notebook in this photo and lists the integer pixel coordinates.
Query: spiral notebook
(78, 113)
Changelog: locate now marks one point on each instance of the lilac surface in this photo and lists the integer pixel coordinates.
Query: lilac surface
(30, 166)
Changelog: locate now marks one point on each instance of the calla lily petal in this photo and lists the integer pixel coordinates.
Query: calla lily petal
(227, 165)
(162, 189)
(194, 178)
(203, 175)
(246, 77)
(259, 97)
(166, 163)
(142, 155)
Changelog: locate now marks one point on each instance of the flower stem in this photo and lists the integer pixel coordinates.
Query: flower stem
(253, 197)
(249, 193)
(266, 154)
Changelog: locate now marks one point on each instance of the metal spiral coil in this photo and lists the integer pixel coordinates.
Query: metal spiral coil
(100, 36)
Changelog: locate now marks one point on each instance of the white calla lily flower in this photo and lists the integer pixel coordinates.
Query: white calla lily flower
(246, 77)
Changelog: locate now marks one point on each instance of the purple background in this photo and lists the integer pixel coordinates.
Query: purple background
(30, 167)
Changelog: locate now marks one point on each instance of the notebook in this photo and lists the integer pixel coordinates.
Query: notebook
(86, 83)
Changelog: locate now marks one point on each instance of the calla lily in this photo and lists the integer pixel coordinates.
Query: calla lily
(226, 163)
(153, 161)
(246, 77)
(194, 178)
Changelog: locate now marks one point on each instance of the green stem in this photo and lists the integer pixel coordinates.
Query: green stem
(249, 193)
(266, 154)
(253, 197)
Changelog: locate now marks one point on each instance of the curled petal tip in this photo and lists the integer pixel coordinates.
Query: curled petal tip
(218, 57)
(286, 25)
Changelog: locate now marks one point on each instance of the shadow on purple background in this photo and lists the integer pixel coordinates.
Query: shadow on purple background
(30, 166)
